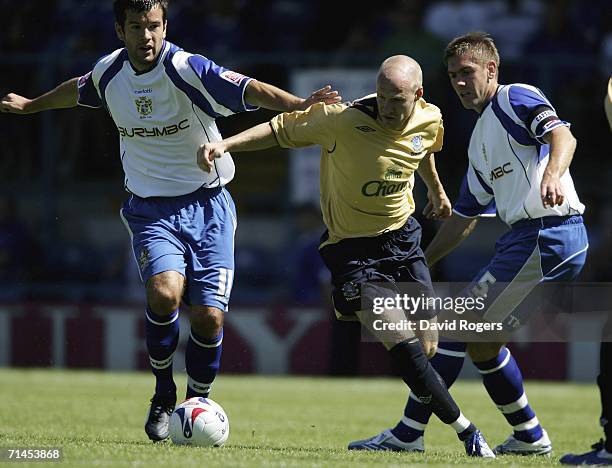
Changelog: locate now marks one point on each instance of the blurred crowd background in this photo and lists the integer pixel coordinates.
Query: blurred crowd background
(61, 182)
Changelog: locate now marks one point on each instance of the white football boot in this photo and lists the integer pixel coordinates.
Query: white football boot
(387, 441)
(513, 446)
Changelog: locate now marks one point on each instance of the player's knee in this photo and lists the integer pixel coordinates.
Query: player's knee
(207, 321)
(163, 300)
(164, 292)
(480, 352)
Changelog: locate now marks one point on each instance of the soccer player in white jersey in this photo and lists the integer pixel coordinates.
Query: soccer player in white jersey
(164, 102)
(519, 157)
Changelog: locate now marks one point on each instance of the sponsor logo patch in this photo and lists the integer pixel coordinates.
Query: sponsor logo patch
(542, 115)
(232, 77)
(83, 80)
(382, 188)
(365, 128)
(393, 173)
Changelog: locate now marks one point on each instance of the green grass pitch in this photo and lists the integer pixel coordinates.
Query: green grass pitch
(97, 418)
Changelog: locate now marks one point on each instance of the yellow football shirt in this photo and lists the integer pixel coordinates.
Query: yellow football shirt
(367, 171)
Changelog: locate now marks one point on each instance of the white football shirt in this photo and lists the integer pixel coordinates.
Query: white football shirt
(507, 157)
(164, 115)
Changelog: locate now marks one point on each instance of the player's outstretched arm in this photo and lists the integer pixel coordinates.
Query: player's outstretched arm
(453, 232)
(255, 138)
(438, 206)
(265, 95)
(65, 95)
(562, 146)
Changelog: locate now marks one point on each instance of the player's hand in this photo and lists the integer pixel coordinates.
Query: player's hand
(551, 191)
(438, 206)
(428, 339)
(324, 94)
(207, 153)
(14, 104)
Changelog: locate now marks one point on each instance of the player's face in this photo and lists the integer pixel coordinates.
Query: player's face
(143, 34)
(474, 83)
(395, 104)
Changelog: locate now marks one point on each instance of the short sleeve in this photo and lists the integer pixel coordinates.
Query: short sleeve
(88, 93)
(315, 125)
(534, 110)
(225, 86)
(439, 141)
(475, 197)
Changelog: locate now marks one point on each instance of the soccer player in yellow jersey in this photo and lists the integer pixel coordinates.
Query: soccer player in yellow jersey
(370, 150)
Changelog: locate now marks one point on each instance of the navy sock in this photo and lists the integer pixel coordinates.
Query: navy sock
(503, 380)
(448, 362)
(161, 335)
(202, 360)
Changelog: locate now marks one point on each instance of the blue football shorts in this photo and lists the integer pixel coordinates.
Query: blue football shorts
(552, 249)
(191, 234)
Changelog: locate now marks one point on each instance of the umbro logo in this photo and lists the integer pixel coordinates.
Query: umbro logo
(365, 128)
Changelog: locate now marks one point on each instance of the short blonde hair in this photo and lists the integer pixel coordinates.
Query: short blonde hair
(478, 45)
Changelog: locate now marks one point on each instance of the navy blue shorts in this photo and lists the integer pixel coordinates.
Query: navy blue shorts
(192, 234)
(390, 258)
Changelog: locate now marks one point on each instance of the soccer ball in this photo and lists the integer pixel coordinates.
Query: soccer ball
(199, 421)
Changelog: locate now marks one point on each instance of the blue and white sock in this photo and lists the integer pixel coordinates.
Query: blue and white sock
(161, 336)
(202, 360)
(503, 380)
(448, 362)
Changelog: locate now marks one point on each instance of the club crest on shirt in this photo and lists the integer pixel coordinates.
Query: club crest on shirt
(143, 259)
(144, 106)
(417, 143)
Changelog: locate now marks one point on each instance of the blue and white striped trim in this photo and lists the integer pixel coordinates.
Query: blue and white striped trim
(515, 406)
(525, 426)
(127, 226)
(503, 364)
(412, 423)
(154, 322)
(226, 280)
(216, 344)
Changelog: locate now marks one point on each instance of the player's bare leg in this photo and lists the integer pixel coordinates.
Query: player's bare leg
(164, 293)
(408, 357)
(502, 379)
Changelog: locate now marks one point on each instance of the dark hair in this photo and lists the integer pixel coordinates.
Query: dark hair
(478, 45)
(120, 8)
